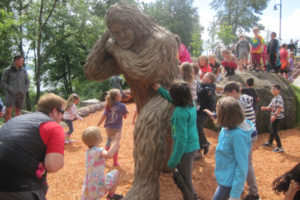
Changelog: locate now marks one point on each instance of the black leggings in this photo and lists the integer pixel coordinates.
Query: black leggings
(274, 132)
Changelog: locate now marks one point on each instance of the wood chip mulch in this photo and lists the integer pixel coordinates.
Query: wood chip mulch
(67, 183)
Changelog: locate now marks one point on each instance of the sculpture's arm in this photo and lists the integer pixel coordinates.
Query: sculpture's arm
(147, 65)
(100, 64)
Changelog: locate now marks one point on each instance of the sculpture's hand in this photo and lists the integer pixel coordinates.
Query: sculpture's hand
(111, 46)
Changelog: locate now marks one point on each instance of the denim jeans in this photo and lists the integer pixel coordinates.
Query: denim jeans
(222, 193)
(70, 125)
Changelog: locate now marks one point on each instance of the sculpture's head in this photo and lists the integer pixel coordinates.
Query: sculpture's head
(128, 25)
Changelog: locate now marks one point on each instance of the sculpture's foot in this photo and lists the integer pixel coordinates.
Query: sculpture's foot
(143, 190)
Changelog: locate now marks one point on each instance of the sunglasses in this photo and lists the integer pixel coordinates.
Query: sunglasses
(59, 110)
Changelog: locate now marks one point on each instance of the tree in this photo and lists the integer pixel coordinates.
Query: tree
(225, 34)
(178, 16)
(240, 14)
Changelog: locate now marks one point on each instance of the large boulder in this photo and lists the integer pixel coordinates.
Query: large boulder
(262, 83)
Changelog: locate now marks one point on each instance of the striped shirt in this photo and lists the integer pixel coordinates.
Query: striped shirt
(246, 103)
(276, 102)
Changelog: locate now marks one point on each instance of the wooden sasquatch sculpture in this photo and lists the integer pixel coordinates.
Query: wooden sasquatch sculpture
(134, 45)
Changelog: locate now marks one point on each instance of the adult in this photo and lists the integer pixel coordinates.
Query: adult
(257, 49)
(16, 82)
(116, 82)
(30, 146)
(291, 46)
(183, 53)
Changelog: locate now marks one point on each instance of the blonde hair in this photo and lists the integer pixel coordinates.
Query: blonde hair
(225, 51)
(203, 57)
(50, 101)
(71, 100)
(187, 72)
(91, 136)
(255, 29)
(229, 112)
(111, 97)
(292, 55)
(213, 56)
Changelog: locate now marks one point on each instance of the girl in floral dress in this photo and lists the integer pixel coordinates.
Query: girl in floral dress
(96, 183)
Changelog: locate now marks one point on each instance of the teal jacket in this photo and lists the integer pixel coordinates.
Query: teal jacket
(232, 157)
(184, 130)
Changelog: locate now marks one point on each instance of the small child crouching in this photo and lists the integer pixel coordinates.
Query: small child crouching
(96, 183)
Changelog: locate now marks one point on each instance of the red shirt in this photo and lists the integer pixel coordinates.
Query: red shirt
(53, 137)
(205, 69)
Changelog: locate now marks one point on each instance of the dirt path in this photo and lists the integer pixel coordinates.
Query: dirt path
(67, 183)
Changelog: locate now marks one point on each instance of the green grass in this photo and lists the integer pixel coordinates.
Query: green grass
(297, 93)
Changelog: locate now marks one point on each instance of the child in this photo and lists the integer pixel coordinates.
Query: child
(232, 89)
(273, 51)
(96, 183)
(289, 183)
(257, 48)
(277, 113)
(113, 115)
(215, 66)
(203, 65)
(187, 73)
(242, 50)
(230, 62)
(196, 71)
(2, 108)
(206, 98)
(249, 90)
(284, 61)
(233, 149)
(184, 130)
(291, 66)
(70, 114)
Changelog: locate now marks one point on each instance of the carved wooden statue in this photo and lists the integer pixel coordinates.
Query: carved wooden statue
(134, 45)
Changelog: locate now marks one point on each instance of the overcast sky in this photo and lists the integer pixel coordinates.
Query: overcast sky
(290, 26)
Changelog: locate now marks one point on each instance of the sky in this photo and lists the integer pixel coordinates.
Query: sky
(290, 26)
(290, 29)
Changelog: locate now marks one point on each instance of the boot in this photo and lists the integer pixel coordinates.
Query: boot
(115, 158)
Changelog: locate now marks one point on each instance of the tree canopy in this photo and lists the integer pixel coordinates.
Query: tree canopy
(241, 15)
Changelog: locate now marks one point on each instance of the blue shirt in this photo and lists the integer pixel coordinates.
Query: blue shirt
(232, 157)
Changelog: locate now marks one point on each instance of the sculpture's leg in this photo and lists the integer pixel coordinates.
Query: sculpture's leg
(149, 148)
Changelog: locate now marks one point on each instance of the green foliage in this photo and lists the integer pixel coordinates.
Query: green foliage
(297, 93)
(242, 15)
(196, 44)
(225, 34)
(178, 16)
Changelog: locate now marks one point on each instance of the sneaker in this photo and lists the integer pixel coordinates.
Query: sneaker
(251, 197)
(67, 142)
(267, 144)
(206, 148)
(71, 141)
(115, 197)
(278, 150)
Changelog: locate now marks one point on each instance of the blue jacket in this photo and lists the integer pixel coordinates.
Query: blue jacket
(184, 130)
(232, 157)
